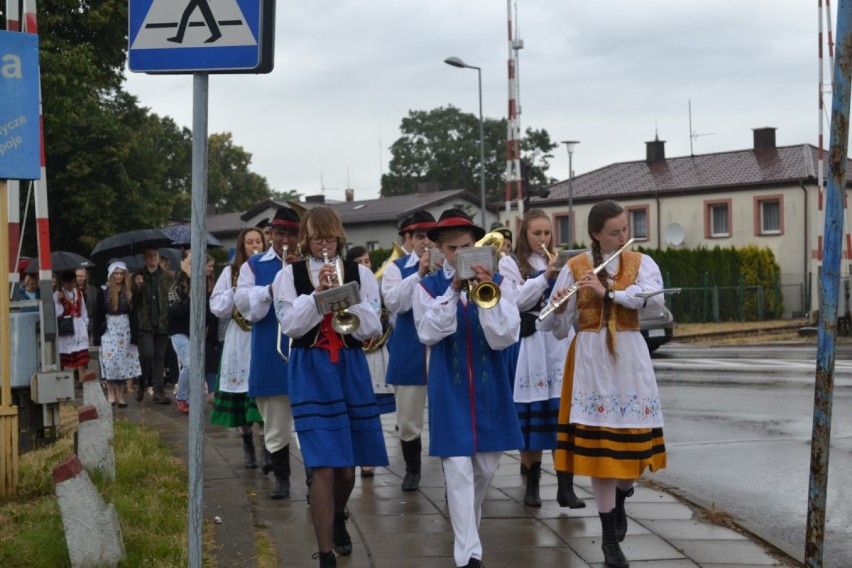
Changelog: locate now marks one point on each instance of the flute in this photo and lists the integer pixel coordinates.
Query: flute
(576, 286)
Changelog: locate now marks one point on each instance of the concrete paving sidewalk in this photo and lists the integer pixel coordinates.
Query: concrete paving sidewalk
(413, 530)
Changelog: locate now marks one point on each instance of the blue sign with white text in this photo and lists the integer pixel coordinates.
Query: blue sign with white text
(181, 36)
(20, 141)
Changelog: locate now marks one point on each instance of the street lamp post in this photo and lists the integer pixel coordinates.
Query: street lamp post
(456, 62)
(569, 144)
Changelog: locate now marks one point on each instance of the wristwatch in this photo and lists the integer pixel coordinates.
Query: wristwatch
(610, 295)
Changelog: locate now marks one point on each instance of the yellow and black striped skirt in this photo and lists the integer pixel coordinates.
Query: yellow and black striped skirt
(597, 451)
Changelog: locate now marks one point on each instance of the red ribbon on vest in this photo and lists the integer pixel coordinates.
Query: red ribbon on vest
(71, 309)
(329, 339)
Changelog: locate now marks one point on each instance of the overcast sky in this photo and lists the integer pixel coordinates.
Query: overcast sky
(609, 73)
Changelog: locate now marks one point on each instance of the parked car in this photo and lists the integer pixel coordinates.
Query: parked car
(657, 329)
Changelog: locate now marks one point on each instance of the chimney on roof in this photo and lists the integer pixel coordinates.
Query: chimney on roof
(428, 187)
(350, 195)
(655, 150)
(764, 138)
(315, 198)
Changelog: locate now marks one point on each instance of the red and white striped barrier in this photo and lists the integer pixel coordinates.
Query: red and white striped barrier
(92, 530)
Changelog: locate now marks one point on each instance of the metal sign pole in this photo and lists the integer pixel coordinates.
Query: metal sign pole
(829, 283)
(197, 311)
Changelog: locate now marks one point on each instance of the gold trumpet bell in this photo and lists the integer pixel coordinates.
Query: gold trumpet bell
(485, 294)
(345, 322)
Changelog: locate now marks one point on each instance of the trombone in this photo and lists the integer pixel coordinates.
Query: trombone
(281, 353)
(576, 286)
(343, 322)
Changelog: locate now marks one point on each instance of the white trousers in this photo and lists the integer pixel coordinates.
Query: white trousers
(410, 404)
(277, 421)
(468, 480)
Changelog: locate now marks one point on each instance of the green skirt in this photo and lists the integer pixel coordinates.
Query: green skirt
(232, 409)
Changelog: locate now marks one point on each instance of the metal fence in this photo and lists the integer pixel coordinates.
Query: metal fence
(787, 298)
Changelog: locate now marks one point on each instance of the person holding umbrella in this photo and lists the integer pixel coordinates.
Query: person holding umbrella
(70, 305)
(151, 297)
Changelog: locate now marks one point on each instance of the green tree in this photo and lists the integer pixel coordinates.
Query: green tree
(441, 147)
(231, 186)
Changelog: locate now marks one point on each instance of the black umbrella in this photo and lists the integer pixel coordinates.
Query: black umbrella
(129, 243)
(61, 261)
(180, 235)
(133, 262)
(136, 262)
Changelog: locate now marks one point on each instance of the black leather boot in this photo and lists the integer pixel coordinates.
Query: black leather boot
(565, 495)
(620, 514)
(327, 559)
(411, 454)
(265, 457)
(341, 541)
(281, 469)
(613, 556)
(248, 448)
(532, 497)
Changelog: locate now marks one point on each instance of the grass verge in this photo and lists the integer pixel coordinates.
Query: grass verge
(149, 493)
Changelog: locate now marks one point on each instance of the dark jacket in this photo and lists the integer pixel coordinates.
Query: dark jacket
(179, 306)
(144, 295)
(100, 313)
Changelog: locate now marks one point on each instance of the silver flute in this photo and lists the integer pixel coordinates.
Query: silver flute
(576, 286)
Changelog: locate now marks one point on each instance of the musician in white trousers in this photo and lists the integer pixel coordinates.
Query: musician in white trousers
(268, 372)
(406, 354)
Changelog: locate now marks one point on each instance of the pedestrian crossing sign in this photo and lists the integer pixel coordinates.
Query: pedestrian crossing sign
(215, 36)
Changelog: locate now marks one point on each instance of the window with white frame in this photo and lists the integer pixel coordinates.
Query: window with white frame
(563, 224)
(719, 220)
(639, 224)
(770, 217)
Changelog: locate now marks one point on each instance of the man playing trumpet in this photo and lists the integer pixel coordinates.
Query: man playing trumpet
(267, 373)
(406, 355)
(472, 417)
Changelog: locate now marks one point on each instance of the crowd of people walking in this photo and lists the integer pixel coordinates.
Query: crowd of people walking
(314, 342)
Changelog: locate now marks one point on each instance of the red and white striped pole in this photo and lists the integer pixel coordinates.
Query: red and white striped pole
(847, 234)
(41, 212)
(14, 186)
(513, 127)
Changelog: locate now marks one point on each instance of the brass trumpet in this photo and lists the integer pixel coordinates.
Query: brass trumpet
(576, 286)
(547, 254)
(343, 322)
(486, 294)
(281, 353)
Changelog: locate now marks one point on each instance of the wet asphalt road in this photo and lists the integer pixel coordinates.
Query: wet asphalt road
(738, 433)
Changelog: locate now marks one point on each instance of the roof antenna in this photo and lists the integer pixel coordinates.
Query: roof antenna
(693, 135)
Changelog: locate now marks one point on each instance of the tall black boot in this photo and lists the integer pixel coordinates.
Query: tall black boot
(613, 556)
(341, 541)
(281, 470)
(265, 457)
(248, 448)
(620, 513)
(565, 495)
(532, 497)
(411, 454)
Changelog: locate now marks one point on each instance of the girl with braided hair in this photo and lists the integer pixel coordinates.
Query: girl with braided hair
(610, 417)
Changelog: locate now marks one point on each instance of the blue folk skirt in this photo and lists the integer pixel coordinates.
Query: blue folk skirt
(334, 409)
